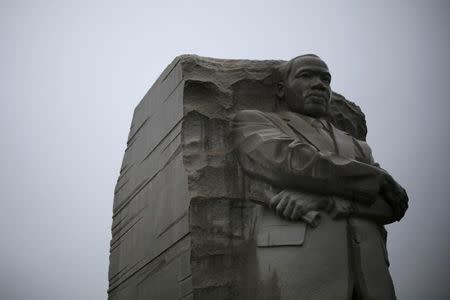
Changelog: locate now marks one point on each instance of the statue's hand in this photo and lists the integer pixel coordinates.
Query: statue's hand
(293, 205)
(395, 195)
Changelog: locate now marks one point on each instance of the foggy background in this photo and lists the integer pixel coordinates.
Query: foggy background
(71, 73)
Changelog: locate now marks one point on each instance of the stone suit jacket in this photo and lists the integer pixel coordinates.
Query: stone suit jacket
(347, 249)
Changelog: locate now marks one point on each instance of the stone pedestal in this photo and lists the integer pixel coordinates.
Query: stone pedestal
(181, 226)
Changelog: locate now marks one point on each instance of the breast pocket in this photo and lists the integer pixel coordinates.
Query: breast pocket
(292, 234)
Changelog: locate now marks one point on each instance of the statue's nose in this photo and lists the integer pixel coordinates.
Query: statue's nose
(317, 83)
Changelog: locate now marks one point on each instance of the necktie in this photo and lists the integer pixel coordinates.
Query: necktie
(324, 132)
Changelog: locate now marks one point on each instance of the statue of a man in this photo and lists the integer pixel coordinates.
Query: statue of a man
(309, 168)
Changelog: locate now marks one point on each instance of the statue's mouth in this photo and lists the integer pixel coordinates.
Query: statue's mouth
(317, 98)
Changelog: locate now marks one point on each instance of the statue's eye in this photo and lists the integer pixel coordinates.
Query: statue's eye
(304, 74)
(326, 79)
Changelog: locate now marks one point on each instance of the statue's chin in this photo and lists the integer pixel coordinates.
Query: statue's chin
(315, 111)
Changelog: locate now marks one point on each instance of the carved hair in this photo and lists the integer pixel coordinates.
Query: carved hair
(283, 71)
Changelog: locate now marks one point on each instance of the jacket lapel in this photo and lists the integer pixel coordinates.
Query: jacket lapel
(344, 142)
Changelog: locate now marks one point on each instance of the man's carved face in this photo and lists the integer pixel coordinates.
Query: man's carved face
(307, 88)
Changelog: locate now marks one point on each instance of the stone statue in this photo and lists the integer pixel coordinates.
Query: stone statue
(212, 134)
(319, 230)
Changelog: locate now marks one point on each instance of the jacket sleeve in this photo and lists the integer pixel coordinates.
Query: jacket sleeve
(268, 153)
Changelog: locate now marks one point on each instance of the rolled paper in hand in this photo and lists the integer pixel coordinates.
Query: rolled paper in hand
(312, 218)
(261, 192)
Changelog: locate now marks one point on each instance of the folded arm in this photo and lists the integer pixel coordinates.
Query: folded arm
(268, 153)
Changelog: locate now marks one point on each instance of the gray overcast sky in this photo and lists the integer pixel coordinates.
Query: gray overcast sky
(72, 72)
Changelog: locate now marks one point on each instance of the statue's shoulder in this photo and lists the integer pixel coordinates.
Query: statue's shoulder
(343, 132)
(362, 146)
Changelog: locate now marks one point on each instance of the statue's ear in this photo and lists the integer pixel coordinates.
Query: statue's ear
(280, 89)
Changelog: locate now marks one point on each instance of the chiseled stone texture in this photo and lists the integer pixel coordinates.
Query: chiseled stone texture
(180, 225)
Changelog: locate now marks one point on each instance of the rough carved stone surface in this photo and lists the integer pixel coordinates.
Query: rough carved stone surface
(180, 224)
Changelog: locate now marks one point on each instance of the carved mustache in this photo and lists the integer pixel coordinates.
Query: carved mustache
(317, 94)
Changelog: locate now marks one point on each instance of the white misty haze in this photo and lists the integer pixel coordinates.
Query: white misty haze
(73, 71)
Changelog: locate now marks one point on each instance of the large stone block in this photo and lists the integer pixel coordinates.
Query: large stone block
(181, 225)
